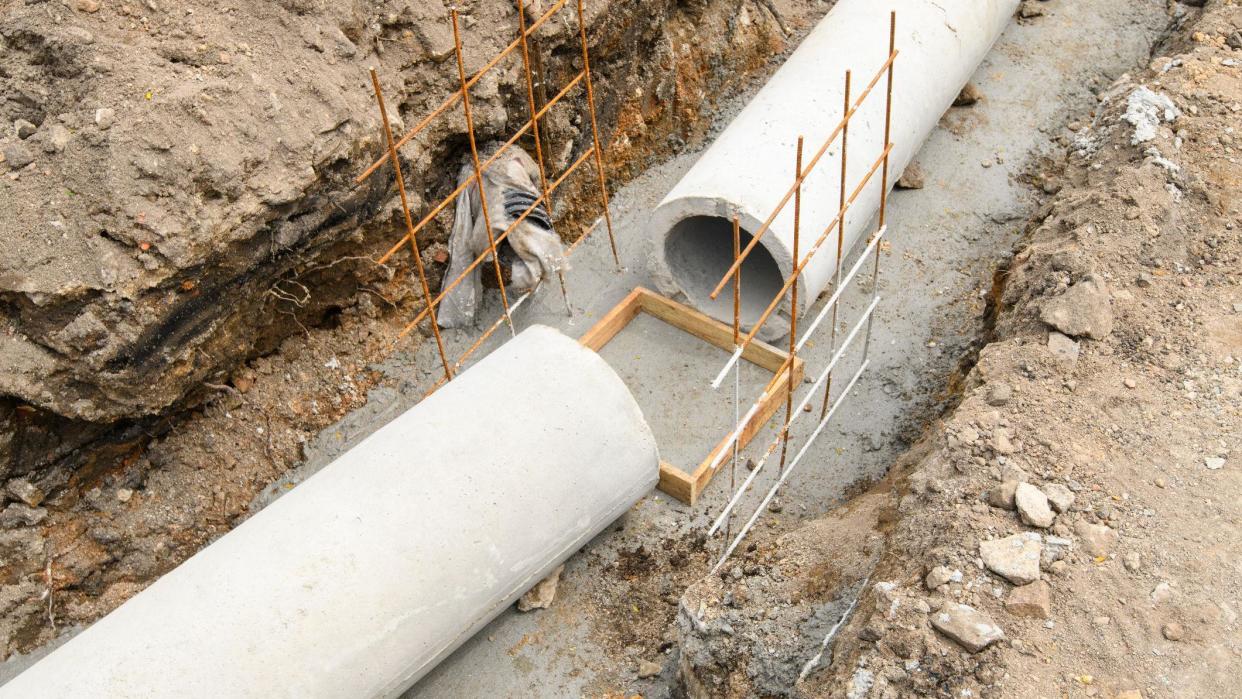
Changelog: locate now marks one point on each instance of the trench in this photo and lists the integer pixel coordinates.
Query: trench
(613, 609)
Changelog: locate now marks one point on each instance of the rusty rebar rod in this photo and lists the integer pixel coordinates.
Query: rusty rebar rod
(599, 153)
(888, 126)
(405, 210)
(836, 277)
(793, 309)
(452, 99)
(780, 206)
(737, 282)
(478, 171)
(534, 118)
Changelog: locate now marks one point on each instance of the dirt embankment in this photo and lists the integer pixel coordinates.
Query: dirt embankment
(1072, 527)
(189, 289)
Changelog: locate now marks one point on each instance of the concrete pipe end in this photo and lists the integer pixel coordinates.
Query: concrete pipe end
(693, 240)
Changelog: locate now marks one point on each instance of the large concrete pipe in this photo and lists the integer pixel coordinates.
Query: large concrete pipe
(361, 579)
(751, 165)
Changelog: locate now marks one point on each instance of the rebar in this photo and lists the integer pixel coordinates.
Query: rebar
(599, 153)
(405, 210)
(478, 172)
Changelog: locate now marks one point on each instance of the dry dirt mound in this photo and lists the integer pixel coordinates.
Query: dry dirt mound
(1073, 528)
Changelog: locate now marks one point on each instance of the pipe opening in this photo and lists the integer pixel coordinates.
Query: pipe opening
(699, 251)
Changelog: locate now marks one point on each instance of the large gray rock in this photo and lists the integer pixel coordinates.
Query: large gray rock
(1015, 558)
(1083, 310)
(971, 628)
(1033, 506)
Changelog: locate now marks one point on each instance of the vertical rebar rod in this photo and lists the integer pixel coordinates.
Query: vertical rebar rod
(536, 131)
(737, 340)
(409, 223)
(599, 152)
(793, 309)
(888, 125)
(478, 170)
(836, 278)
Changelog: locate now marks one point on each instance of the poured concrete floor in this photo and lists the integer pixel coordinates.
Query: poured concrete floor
(945, 241)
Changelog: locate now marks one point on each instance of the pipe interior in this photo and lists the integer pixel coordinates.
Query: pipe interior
(699, 251)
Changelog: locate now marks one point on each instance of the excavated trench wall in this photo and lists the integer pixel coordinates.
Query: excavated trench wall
(190, 203)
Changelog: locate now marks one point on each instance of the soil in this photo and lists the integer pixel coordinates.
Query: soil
(209, 225)
(1112, 373)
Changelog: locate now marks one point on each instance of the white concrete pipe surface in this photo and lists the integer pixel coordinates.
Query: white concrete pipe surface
(751, 166)
(358, 581)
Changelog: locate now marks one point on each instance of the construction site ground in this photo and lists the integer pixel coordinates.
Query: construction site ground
(1134, 423)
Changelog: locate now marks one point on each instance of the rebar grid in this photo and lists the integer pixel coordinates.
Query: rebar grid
(789, 291)
(479, 166)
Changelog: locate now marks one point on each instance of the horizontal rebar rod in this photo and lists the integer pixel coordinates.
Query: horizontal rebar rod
(452, 99)
(470, 180)
(863, 321)
(499, 239)
(788, 470)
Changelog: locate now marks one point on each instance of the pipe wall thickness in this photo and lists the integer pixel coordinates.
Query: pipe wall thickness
(357, 582)
(750, 167)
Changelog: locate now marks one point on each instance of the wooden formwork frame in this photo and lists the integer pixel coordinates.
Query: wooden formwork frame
(684, 486)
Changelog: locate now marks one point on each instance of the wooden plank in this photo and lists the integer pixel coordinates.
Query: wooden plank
(607, 328)
(707, 328)
(677, 483)
(775, 400)
(686, 487)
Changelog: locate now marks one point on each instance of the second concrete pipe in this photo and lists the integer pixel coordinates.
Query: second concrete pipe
(752, 164)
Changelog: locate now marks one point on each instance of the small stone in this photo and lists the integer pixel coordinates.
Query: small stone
(1060, 497)
(912, 177)
(969, 95)
(1160, 483)
(17, 155)
(1234, 41)
(1132, 561)
(776, 507)
(1214, 463)
(873, 631)
(1033, 507)
(1031, 10)
(1097, 539)
(87, 6)
(937, 576)
(26, 491)
(104, 116)
(24, 129)
(1083, 310)
(999, 394)
(1145, 280)
(1001, 443)
(57, 138)
(124, 494)
(1129, 382)
(972, 629)
(1173, 631)
(1034, 600)
(647, 669)
(1015, 558)
(1063, 346)
(541, 595)
(1161, 593)
(21, 515)
(751, 465)
(1002, 496)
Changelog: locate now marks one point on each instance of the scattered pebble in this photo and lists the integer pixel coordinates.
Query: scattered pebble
(1059, 497)
(1033, 600)
(911, 178)
(104, 116)
(968, 96)
(24, 129)
(124, 494)
(647, 669)
(1173, 631)
(1097, 539)
(1129, 382)
(1214, 463)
